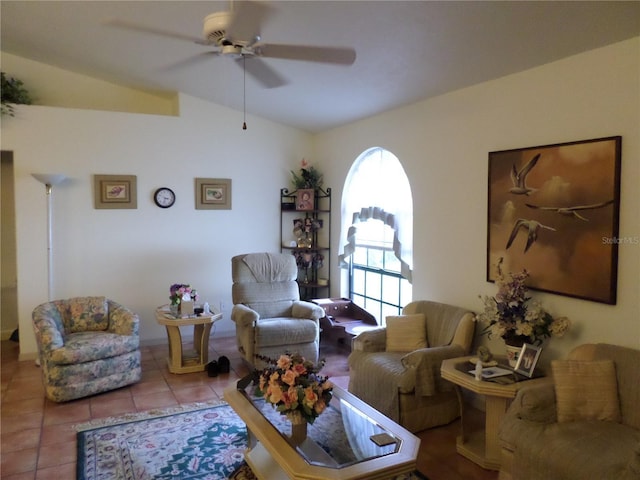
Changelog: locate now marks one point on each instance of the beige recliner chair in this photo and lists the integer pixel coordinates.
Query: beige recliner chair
(405, 384)
(270, 318)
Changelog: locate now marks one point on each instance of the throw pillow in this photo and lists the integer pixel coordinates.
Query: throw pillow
(406, 333)
(586, 390)
(87, 314)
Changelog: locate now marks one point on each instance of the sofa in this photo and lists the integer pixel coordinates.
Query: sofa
(583, 423)
(86, 345)
(396, 369)
(270, 318)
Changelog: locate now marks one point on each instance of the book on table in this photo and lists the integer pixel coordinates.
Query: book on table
(492, 372)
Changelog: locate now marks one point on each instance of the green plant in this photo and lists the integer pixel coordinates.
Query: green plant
(309, 177)
(13, 92)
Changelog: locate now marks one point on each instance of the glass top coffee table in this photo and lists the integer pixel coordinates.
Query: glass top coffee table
(349, 440)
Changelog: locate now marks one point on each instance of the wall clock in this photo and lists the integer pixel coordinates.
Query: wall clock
(164, 197)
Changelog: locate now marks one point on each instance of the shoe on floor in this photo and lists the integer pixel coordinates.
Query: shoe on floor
(223, 364)
(212, 369)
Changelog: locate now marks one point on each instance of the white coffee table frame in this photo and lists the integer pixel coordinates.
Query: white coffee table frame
(271, 457)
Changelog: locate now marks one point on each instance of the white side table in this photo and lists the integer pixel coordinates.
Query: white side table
(187, 361)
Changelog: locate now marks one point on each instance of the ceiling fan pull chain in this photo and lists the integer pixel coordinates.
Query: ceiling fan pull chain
(244, 93)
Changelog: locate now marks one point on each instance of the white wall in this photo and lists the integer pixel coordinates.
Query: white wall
(443, 145)
(55, 87)
(133, 256)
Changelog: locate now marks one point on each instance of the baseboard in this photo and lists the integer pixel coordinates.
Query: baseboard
(25, 357)
(6, 334)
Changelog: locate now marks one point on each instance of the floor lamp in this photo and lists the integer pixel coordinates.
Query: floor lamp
(49, 180)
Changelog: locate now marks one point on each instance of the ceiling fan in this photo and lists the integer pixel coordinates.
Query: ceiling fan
(236, 34)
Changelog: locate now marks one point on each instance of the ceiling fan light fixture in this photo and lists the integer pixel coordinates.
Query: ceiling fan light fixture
(215, 27)
(235, 51)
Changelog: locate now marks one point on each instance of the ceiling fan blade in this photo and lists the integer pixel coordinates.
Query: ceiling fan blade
(336, 55)
(261, 72)
(246, 20)
(137, 27)
(187, 62)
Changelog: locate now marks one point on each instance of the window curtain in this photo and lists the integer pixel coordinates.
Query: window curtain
(378, 188)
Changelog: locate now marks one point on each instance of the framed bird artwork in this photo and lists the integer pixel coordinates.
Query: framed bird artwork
(554, 211)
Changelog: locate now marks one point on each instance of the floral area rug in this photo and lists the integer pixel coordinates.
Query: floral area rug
(197, 442)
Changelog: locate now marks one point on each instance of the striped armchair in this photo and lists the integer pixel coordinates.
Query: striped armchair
(405, 383)
(86, 345)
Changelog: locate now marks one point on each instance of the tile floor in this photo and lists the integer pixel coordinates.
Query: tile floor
(39, 443)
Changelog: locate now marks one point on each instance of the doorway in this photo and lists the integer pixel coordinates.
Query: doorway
(8, 253)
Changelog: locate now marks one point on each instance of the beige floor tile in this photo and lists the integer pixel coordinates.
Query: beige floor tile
(107, 407)
(62, 432)
(73, 411)
(58, 472)
(154, 400)
(200, 393)
(18, 461)
(20, 440)
(16, 423)
(56, 454)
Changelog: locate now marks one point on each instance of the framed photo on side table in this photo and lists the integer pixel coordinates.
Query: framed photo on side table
(527, 360)
(213, 194)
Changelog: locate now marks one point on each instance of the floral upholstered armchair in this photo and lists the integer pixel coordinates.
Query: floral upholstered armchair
(86, 345)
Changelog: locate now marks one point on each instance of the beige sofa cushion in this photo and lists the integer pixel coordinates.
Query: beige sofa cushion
(406, 333)
(586, 390)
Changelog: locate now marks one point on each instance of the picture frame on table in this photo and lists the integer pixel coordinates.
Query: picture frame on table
(213, 193)
(115, 191)
(527, 360)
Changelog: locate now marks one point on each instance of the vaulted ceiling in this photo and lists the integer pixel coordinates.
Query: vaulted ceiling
(405, 50)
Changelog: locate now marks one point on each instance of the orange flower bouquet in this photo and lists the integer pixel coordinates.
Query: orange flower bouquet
(294, 387)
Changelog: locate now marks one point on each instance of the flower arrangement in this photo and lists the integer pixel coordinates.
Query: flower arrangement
(177, 291)
(514, 316)
(292, 384)
(309, 177)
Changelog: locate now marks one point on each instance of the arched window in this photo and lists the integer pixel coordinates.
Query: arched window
(376, 236)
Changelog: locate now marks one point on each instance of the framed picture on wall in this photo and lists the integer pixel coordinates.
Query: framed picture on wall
(553, 210)
(115, 191)
(213, 194)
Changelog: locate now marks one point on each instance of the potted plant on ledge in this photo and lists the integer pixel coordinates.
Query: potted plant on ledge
(13, 93)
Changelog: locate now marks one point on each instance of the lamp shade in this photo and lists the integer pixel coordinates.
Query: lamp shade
(49, 178)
